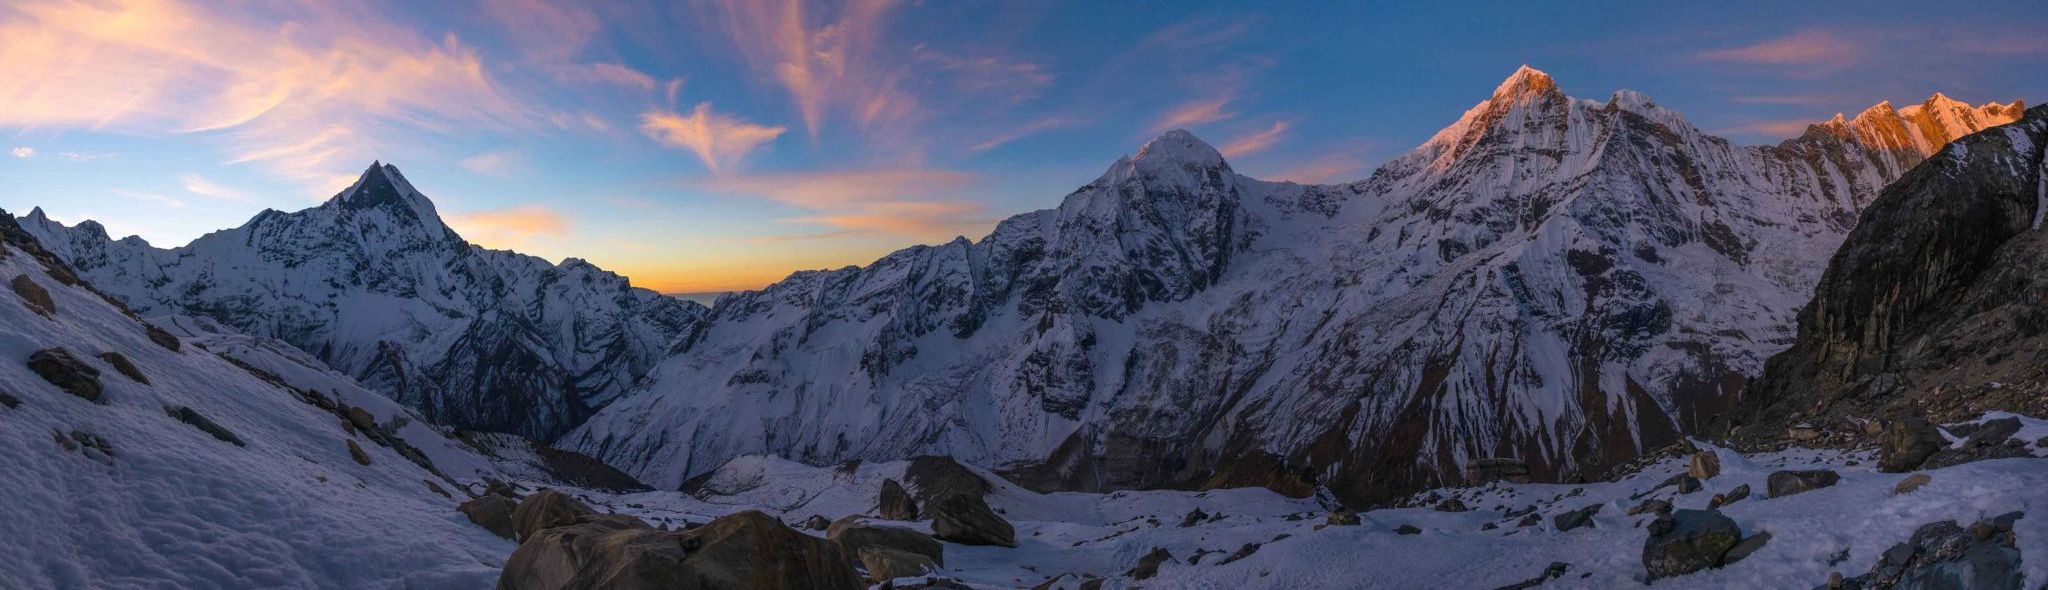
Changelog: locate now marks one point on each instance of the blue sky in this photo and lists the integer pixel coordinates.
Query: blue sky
(720, 144)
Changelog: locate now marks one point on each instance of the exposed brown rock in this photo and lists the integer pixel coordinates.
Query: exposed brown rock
(747, 550)
(968, 520)
(897, 504)
(34, 296)
(854, 534)
(545, 509)
(125, 367)
(356, 452)
(493, 512)
(58, 367)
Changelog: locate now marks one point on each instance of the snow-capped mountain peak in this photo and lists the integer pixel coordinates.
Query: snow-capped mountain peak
(1179, 147)
(1526, 81)
(383, 187)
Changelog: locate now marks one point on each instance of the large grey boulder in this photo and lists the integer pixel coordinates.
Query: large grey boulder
(1688, 541)
(749, 550)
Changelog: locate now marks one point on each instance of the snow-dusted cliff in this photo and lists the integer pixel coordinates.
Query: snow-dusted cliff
(1560, 280)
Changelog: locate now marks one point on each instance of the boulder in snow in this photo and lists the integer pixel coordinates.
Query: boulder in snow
(1688, 541)
(34, 296)
(355, 452)
(1946, 555)
(161, 337)
(968, 520)
(192, 418)
(1582, 517)
(1734, 495)
(1704, 465)
(1786, 483)
(1148, 565)
(124, 366)
(1912, 483)
(884, 564)
(58, 367)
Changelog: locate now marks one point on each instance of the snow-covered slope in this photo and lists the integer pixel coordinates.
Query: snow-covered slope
(1561, 280)
(373, 284)
(167, 504)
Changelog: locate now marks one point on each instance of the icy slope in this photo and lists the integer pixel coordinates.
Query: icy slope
(173, 505)
(373, 284)
(1560, 280)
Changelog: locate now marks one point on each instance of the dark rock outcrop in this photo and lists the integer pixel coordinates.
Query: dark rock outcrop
(34, 296)
(853, 535)
(124, 366)
(896, 504)
(610, 552)
(1907, 443)
(1688, 541)
(355, 452)
(193, 418)
(161, 337)
(543, 510)
(1786, 483)
(1582, 517)
(1984, 556)
(968, 520)
(1932, 301)
(493, 512)
(1148, 565)
(58, 367)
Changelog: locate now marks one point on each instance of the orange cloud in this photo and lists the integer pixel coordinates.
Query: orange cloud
(514, 228)
(1189, 114)
(290, 93)
(1255, 142)
(1810, 47)
(911, 202)
(1336, 167)
(718, 140)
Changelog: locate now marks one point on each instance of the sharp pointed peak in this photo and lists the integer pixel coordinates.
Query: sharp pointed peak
(1178, 145)
(1525, 81)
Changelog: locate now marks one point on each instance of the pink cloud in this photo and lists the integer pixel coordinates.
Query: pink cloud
(1809, 47)
(1207, 110)
(1255, 142)
(718, 140)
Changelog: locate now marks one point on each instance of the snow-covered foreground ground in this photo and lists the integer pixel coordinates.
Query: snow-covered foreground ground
(1106, 534)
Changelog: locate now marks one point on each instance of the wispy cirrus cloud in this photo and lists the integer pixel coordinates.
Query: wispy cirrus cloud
(149, 197)
(1255, 142)
(1811, 47)
(199, 185)
(822, 60)
(22, 152)
(496, 162)
(293, 88)
(720, 141)
(512, 228)
(1197, 112)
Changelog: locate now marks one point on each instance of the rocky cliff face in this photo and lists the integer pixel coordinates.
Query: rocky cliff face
(1565, 281)
(375, 285)
(1933, 302)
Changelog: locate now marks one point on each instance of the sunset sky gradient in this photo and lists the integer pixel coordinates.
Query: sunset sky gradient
(712, 145)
